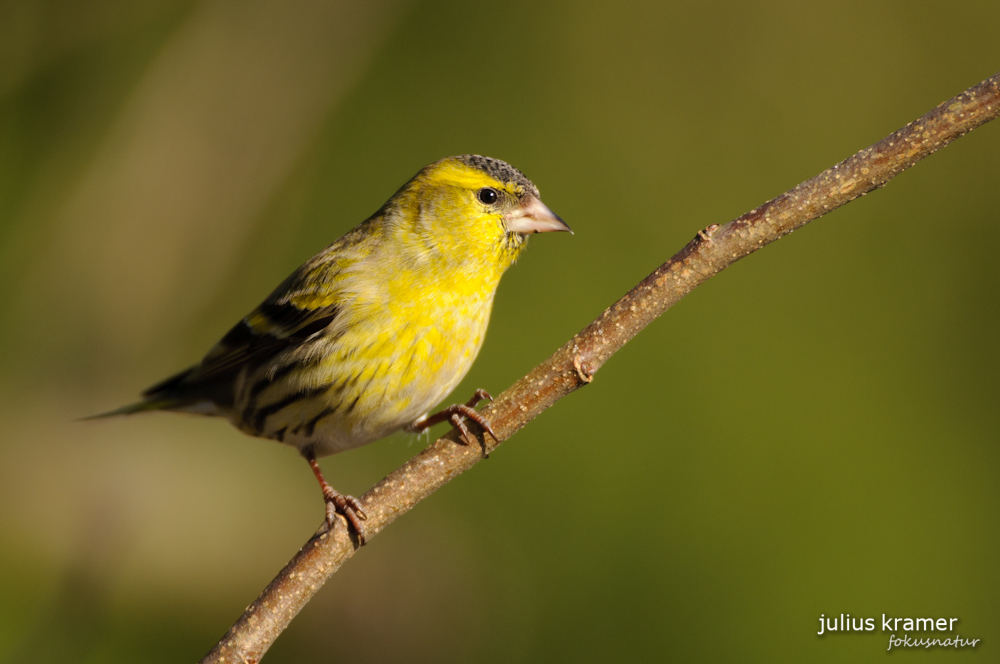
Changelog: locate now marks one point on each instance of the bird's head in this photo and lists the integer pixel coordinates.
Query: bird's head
(475, 208)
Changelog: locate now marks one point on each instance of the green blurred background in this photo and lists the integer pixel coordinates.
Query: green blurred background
(814, 431)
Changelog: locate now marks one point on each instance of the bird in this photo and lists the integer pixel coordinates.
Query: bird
(370, 334)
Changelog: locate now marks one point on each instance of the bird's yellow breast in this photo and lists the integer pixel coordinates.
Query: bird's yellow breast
(402, 343)
(427, 328)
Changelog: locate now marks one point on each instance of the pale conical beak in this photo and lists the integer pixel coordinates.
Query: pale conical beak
(533, 216)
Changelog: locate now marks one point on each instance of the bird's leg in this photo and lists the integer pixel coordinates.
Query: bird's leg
(336, 502)
(456, 414)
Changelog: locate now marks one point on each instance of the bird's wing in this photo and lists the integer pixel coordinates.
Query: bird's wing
(299, 308)
(269, 330)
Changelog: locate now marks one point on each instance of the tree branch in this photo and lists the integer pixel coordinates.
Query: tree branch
(575, 364)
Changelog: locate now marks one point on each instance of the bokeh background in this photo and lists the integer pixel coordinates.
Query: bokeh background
(814, 431)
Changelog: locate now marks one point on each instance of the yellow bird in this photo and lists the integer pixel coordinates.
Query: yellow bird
(375, 330)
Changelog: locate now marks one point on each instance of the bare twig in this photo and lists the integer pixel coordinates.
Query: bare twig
(575, 364)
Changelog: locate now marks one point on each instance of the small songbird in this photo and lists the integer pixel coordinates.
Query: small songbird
(375, 330)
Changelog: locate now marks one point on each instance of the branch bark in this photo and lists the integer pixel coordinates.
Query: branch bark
(574, 365)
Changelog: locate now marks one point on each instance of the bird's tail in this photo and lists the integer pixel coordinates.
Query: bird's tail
(165, 395)
(137, 407)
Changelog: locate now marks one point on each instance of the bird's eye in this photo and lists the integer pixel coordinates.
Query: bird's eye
(487, 195)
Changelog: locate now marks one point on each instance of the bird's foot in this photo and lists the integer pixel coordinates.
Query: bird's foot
(347, 506)
(337, 503)
(457, 414)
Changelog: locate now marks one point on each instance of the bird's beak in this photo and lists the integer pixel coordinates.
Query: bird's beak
(533, 216)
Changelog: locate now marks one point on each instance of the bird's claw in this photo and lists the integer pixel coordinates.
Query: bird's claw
(457, 414)
(460, 411)
(480, 395)
(347, 506)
